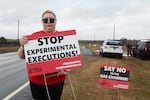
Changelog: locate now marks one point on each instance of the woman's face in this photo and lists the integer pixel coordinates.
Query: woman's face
(49, 22)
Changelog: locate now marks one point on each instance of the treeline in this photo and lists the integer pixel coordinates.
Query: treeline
(91, 41)
(8, 42)
(15, 42)
(123, 41)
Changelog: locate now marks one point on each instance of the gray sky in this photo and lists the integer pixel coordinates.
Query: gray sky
(92, 19)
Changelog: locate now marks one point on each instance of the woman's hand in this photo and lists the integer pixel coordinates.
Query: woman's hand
(62, 72)
(23, 40)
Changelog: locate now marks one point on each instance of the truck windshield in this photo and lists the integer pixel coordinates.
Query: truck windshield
(148, 44)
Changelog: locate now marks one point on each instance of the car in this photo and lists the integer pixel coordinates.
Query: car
(142, 49)
(111, 47)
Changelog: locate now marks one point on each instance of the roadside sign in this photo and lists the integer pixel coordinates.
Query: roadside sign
(51, 52)
(114, 76)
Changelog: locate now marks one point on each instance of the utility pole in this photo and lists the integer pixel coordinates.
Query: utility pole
(94, 37)
(114, 33)
(18, 31)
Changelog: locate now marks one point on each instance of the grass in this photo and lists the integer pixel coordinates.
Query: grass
(6, 49)
(85, 79)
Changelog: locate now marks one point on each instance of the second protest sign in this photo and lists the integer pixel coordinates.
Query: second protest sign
(114, 76)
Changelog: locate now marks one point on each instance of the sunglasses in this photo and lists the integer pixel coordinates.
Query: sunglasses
(51, 20)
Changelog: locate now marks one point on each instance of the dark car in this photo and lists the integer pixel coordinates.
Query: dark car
(142, 49)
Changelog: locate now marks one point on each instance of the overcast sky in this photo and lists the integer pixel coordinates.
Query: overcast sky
(92, 19)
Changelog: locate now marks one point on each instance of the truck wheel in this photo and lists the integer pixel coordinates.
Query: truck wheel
(102, 54)
(142, 56)
(134, 55)
(120, 56)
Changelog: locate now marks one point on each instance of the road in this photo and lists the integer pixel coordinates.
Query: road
(13, 73)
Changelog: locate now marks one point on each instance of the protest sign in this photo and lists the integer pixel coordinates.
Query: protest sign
(51, 52)
(114, 76)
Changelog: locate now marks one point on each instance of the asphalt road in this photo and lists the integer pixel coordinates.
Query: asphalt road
(12, 73)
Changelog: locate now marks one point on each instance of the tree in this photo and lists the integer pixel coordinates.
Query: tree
(123, 41)
(3, 40)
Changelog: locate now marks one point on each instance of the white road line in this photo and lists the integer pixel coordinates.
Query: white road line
(16, 91)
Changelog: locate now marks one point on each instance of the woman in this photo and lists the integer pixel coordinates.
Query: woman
(54, 84)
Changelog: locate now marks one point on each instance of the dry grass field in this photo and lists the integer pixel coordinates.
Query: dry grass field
(85, 79)
(6, 49)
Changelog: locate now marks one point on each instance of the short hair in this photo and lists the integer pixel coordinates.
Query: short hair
(48, 11)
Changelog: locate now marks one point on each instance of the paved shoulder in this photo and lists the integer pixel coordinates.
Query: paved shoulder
(86, 51)
(24, 94)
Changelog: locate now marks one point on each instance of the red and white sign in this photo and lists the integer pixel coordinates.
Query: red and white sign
(51, 52)
(114, 76)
